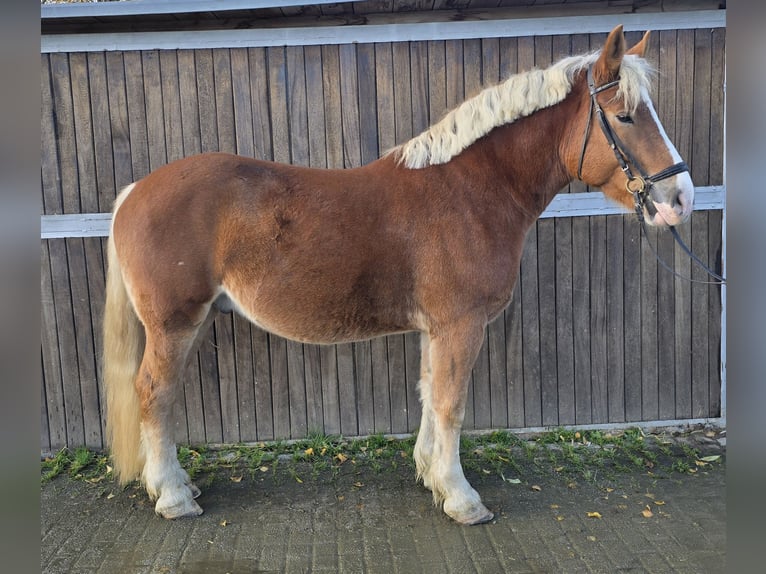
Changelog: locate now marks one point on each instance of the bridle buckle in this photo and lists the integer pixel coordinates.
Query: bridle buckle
(635, 185)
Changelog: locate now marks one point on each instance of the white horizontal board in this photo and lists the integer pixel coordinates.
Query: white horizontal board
(149, 7)
(563, 205)
(421, 31)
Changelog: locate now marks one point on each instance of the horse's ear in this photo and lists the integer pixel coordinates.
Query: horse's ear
(607, 67)
(640, 48)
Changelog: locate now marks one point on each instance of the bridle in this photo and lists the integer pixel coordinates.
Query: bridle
(637, 185)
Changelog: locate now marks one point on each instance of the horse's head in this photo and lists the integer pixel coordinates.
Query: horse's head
(624, 149)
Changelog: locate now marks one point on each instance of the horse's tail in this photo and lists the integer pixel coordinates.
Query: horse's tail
(123, 350)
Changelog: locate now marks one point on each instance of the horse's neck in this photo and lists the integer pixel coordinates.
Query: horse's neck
(524, 158)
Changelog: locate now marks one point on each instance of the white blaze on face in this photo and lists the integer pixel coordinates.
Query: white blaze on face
(681, 183)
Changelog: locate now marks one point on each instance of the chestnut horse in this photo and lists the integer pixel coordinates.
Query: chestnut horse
(427, 238)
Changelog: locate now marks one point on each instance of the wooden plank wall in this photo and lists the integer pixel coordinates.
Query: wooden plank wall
(596, 332)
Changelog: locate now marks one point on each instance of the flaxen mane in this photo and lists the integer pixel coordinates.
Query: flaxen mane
(516, 97)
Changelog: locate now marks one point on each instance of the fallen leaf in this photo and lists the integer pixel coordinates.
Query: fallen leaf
(264, 469)
(594, 515)
(236, 478)
(108, 468)
(659, 502)
(710, 434)
(536, 488)
(223, 523)
(485, 471)
(340, 457)
(649, 495)
(323, 451)
(711, 458)
(692, 471)
(341, 498)
(558, 469)
(647, 512)
(359, 484)
(510, 480)
(554, 506)
(610, 489)
(559, 518)
(592, 538)
(700, 463)
(298, 480)
(577, 435)
(309, 451)
(109, 496)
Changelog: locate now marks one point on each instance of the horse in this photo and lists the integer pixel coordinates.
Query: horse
(427, 238)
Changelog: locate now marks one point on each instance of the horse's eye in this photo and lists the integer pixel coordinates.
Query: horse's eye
(624, 118)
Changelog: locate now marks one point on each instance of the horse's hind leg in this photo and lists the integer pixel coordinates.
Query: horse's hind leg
(164, 361)
(452, 353)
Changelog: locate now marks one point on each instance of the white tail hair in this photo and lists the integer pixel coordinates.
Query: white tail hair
(123, 350)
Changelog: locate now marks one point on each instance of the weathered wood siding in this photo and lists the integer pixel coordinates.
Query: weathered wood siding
(596, 331)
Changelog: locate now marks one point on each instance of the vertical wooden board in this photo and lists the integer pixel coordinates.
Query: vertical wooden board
(134, 87)
(412, 357)
(480, 376)
(679, 127)
(649, 345)
(51, 360)
(155, 125)
(349, 419)
(514, 360)
(632, 316)
(192, 430)
(208, 124)
(118, 122)
(714, 328)
(384, 90)
(242, 102)
(280, 396)
(313, 382)
(49, 169)
(349, 94)
(87, 281)
(546, 301)
(437, 90)
(498, 386)
(171, 104)
(210, 384)
(381, 393)
(260, 102)
(665, 100)
(296, 382)
(530, 336)
(330, 390)
(102, 132)
(397, 383)
(419, 86)
(189, 102)
(454, 83)
(580, 44)
(227, 378)
(332, 105)
(297, 111)
(598, 320)
(84, 155)
(564, 327)
(717, 100)
(367, 98)
(490, 61)
(45, 439)
(402, 92)
(581, 319)
(263, 384)
(615, 319)
(700, 240)
(315, 99)
(224, 100)
(364, 395)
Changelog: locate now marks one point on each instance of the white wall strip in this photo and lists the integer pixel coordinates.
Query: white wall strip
(307, 36)
(149, 7)
(563, 205)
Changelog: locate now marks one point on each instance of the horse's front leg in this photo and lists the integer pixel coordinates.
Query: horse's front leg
(452, 354)
(424, 445)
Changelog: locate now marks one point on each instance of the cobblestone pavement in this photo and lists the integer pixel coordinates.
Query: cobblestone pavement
(362, 520)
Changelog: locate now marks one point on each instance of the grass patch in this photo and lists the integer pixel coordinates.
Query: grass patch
(583, 455)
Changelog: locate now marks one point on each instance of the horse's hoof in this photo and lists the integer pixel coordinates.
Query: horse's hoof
(475, 514)
(194, 490)
(181, 509)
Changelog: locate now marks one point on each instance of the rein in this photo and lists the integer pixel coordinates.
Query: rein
(637, 185)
